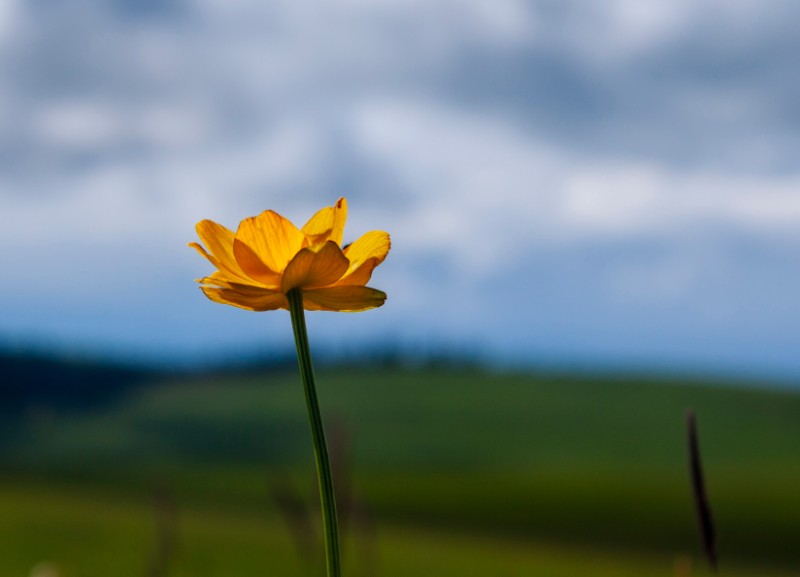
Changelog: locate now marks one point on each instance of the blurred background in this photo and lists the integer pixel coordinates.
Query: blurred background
(594, 212)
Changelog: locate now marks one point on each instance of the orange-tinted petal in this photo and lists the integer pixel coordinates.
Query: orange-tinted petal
(359, 276)
(310, 269)
(373, 244)
(343, 298)
(218, 279)
(265, 244)
(327, 224)
(219, 241)
(364, 255)
(265, 300)
(203, 252)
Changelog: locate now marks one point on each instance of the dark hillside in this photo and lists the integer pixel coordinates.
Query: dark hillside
(41, 380)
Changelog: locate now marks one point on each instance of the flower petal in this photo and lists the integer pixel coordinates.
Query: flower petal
(220, 280)
(364, 255)
(265, 244)
(373, 244)
(327, 224)
(264, 301)
(343, 298)
(310, 269)
(219, 241)
(359, 276)
(215, 279)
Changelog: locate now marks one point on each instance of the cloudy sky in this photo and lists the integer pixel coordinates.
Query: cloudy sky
(579, 183)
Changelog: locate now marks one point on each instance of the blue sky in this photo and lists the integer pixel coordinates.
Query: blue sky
(580, 183)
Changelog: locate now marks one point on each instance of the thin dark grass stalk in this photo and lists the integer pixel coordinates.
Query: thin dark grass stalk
(166, 532)
(355, 520)
(339, 446)
(702, 505)
(294, 509)
(682, 566)
(363, 527)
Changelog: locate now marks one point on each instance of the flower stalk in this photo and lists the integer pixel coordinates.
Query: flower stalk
(324, 477)
(270, 264)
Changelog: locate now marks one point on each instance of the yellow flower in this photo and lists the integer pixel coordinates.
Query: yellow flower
(269, 256)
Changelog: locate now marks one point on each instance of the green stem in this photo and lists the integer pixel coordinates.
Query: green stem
(324, 477)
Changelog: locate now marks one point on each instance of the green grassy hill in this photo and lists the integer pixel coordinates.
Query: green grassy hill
(565, 464)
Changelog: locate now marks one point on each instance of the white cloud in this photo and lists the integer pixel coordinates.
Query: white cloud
(78, 124)
(620, 30)
(9, 20)
(472, 173)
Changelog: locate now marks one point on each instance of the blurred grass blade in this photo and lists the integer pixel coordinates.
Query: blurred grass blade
(166, 531)
(293, 508)
(702, 506)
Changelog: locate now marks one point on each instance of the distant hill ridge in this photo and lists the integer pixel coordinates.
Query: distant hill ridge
(54, 378)
(42, 378)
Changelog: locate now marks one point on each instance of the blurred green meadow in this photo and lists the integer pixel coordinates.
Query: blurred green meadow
(440, 472)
